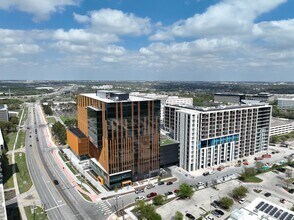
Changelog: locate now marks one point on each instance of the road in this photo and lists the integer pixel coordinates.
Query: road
(64, 196)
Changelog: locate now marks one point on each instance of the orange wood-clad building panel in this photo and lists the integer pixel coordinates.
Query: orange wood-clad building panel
(78, 145)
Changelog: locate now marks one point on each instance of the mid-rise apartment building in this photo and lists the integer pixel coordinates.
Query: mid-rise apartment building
(211, 136)
(121, 135)
(4, 114)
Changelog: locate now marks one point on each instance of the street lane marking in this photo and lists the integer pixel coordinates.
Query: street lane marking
(55, 207)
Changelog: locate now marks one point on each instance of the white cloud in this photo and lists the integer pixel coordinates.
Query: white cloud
(229, 17)
(41, 9)
(116, 22)
(276, 33)
(84, 36)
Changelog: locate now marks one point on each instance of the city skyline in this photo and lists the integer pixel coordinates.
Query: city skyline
(126, 40)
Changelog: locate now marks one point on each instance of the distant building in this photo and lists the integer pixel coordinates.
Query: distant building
(107, 87)
(261, 209)
(286, 103)
(211, 136)
(121, 135)
(228, 97)
(280, 126)
(262, 97)
(4, 114)
(165, 100)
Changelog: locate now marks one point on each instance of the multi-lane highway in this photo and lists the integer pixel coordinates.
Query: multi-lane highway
(61, 201)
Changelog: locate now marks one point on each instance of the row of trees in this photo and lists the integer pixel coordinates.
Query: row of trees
(144, 211)
(59, 131)
(282, 138)
(47, 109)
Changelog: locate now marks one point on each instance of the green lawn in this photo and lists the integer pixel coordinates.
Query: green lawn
(11, 137)
(51, 120)
(25, 116)
(35, 214)
(165, 141)
(7, 171)
(253, 179)
(23, 177)
(64, 118)
(21, 139)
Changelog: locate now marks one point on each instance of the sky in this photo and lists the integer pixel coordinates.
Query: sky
(179, 40)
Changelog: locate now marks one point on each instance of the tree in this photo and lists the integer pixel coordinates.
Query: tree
(178, 216)
(239, 192)
(248, 172)
(47, 110)
(59, 130)
(158, 200)
(14, 120)
(226, 202)
(259, 166)
(185, 191)
(145, 211)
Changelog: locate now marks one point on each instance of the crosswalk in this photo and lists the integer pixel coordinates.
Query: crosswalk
(105, 208)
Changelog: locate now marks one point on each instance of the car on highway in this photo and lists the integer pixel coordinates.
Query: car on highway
(30, 136)
(139, 191)
(169, 183)
(218, 213)
(267, 194)
(168, 193)
(152, 194)
(140, 198)
(242, 201)
(190, 216)
(30, 145)
(55, 182)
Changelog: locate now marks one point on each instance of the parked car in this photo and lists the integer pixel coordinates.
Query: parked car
(139, 198)
(246, 163)
(190, 216)
(139, 191)
(282, 200)
(150, 186)
(200, 184)
(168, 193)
(291, 191)
(218, 213)
(169, 183)
(258, 158)
(241, 201)
(267, 194)
(281, 169)
(209, 218)
(266, 156)
(205, 173)
(152, 194)
(220, 168)
(160, 183)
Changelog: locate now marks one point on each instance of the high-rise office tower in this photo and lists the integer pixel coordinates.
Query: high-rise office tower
(121, 135)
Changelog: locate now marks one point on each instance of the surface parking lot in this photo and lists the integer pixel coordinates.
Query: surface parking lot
(199, 204)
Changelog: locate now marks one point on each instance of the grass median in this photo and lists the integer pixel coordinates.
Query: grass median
(21, 139)
(35, 213)
(23, 177)
(11, 137)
